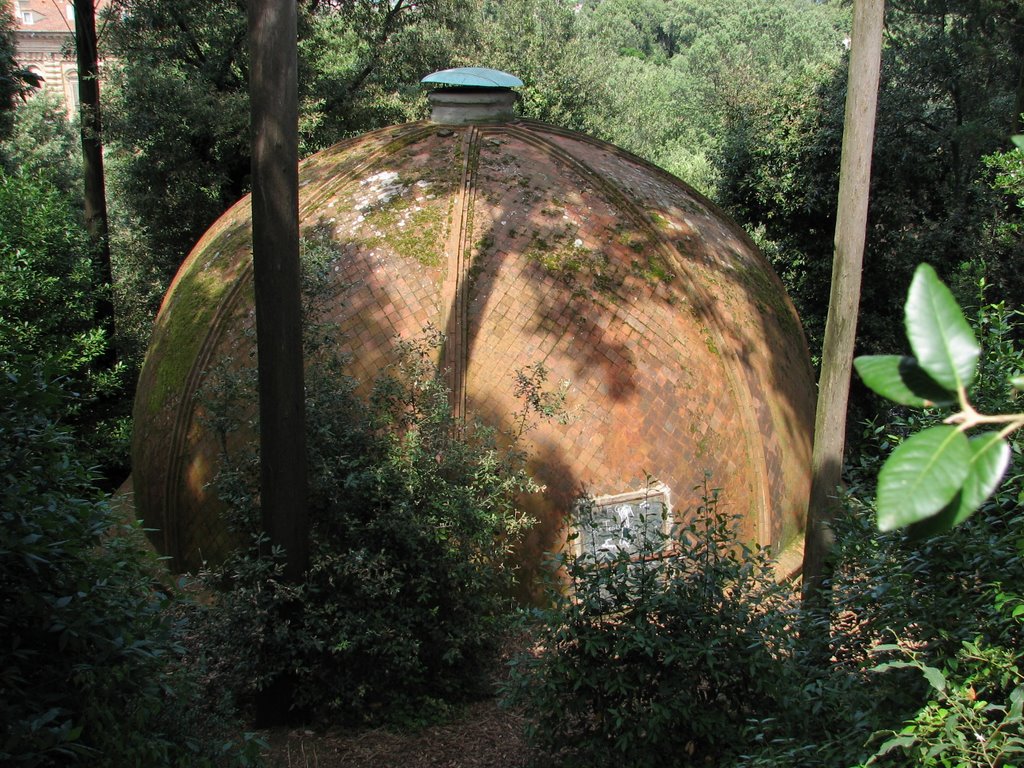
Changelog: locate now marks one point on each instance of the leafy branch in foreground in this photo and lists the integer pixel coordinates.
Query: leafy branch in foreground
(975, 714)
(938, 477)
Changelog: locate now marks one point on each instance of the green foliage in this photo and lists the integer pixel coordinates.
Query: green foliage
(413, 519)
(939, 598)
(938, 477)
(537, 41)
(779, 167)
(975, 715)
(49, 285)
(44, 146)
(949, 79)
(662, 656)
(950, 597)
(177, 111)
(675, 73)
(939, 589)
(48, 296)
(361, 63)
(176, 118)
(1006, 220)
(1008, 173)
(90, 662)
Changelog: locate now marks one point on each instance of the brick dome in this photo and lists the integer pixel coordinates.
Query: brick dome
(526, 244)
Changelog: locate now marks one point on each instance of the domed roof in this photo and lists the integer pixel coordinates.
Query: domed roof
(526, 244)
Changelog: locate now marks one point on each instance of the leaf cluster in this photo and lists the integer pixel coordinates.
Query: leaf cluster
(49, 292)
(946, 602)
(975, 716)
(949, 79)
(939, 476)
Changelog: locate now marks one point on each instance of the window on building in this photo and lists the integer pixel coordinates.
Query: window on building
(28, 17)
(634, 523)
(71, 89)
(69, 12)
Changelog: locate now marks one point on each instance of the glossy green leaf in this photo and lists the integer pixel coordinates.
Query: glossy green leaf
(936, 679)
(1017, 382)
(941, 522)
(989, 460)
(902, 380)
(940, 337)
(896, 742)
(922, 476)
(1017, 701)
(991, 457)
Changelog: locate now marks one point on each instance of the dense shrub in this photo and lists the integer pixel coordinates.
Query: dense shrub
(940, 589)
(49, 291)
(90, 664)
(973, 718)
(44, 146)
(661, 657)
(413, 516)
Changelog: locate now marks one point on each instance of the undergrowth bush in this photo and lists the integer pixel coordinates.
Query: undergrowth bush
(933, 620)
(49, 290)
(91, 668)
(924, 659)
(690, 653)
(974, 716)
(673, 654)
(933, 616)
(413, 516)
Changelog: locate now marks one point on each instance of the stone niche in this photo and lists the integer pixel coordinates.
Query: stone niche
(525, 244)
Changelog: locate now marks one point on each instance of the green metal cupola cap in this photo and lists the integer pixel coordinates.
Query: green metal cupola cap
(478, 77)
(469, 95)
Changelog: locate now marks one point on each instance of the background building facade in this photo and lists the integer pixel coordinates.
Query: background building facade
(44, 32)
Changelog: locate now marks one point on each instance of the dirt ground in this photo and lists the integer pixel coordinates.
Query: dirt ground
(484, 736)
(480, 735)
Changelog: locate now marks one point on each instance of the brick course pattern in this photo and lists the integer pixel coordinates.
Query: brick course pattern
(525, 244)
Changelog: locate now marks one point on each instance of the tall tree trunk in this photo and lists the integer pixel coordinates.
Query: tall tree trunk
(92, 154)
(841, 324)
(275, 213)
(273, 92)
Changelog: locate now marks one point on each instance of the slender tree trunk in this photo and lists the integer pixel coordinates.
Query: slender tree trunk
(841, 325)
(92, 153)
(275, 213)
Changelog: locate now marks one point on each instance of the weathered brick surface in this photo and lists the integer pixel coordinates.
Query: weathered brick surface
(525, 245)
